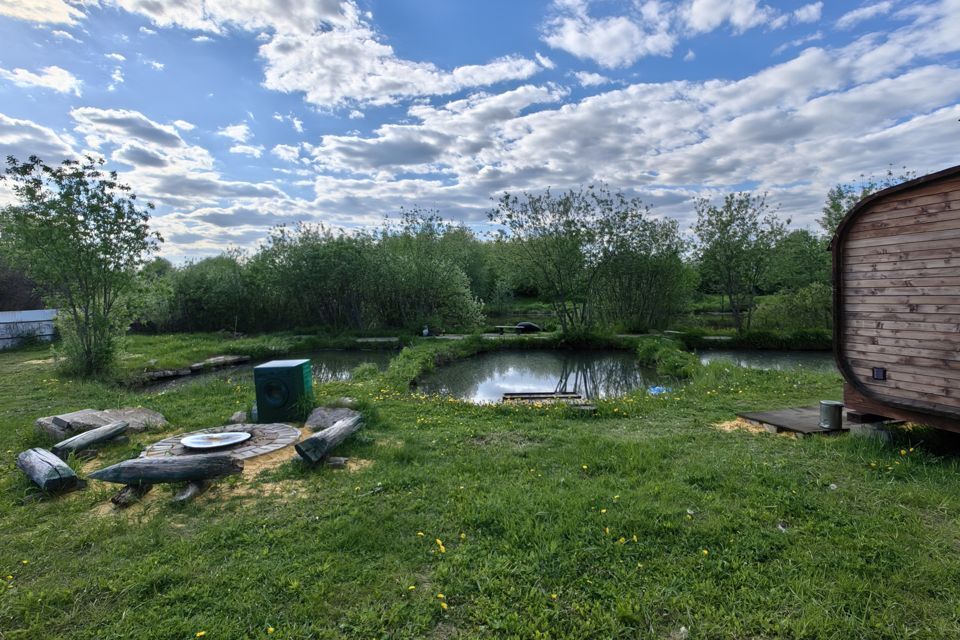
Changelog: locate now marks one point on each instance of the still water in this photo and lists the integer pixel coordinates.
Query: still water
(328, 366)
(778, 360)
(486, 377)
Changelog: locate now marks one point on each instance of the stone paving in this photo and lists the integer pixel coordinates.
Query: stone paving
(265, 438)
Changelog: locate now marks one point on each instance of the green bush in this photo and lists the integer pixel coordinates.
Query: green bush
(668, 357)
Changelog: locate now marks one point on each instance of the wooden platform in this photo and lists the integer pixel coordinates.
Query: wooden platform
(803, 420)
(575, 400)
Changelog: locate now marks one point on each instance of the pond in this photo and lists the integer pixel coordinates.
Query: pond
(328, 366)
(778, 360)
(486, 377)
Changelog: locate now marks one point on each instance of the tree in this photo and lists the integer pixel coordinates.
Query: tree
(799, 259)
(842, 197)
(735, 243)
(79, 234)
(564, 241)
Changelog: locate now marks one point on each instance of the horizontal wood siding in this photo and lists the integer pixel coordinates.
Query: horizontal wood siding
(899, 301)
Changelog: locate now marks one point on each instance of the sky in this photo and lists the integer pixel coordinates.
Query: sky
(233, 116)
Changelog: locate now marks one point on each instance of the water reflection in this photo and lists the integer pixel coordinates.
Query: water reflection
(778, 360)
(333, 366)
(594, 374)
(327, 366)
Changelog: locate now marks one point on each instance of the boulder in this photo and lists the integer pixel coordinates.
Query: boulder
(66, 425)
(325, 417)
(238, 418)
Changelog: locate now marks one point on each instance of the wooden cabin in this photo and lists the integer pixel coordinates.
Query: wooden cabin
(896, 288)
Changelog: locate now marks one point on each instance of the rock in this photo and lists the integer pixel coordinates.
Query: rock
(67, 425)
(325, 417)
(218, 362)
(138, 418)
(238, 418)
(80, 421)
(165, 374)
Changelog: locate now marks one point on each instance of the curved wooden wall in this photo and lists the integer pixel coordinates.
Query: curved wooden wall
(897, 296)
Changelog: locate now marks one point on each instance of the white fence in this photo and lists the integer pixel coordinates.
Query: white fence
(18, 326)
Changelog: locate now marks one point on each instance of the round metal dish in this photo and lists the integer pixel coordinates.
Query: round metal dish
(214, 440)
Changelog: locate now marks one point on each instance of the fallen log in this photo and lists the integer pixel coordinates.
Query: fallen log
(46, 470)
(315, 448)
(89, 438)
(192, 490)
(172, 469)
(130, 494)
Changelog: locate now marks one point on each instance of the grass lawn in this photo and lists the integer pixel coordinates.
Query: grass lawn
(491, 522)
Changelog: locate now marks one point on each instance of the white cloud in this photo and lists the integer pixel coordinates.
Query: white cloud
(294, 121)
(355, 114)
(808, 13)
(147, 31)
(52, 11)
(23, 138)
(706, 15)
(63, 35)
(349, 66)
(158, 66)
(286, 152)
(53, 77)
(813, 37)
(183, 125)
(115, 56)
(544, 61)
(587, 79)
(116, 79)
(852, 18)
(239, 132)
(327, 50)
(613, 41)
(249, 150)
(689, 56)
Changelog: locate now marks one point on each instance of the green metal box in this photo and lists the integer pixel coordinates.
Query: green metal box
(284, 390)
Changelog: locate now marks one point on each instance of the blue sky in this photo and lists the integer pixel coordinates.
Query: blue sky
(236, 115)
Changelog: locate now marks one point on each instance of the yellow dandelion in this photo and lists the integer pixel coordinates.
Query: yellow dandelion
(553, 596)
(463, 536)
(584, 467)
(603, 510)
(24, 562)
(903, 452)
(199, 634)
(622, 540)
(440, 596)
(705, 552)
(606, 530)
(270, 629)
(616, 497)
(420, 533)
(411, 587)
(634, 538)
(443, 605)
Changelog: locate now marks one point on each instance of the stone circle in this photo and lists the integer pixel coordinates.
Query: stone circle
(264, 438)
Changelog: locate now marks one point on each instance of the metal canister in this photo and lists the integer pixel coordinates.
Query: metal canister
(831, 414)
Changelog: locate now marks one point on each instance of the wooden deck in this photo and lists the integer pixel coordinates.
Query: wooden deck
(803, 420)
(575, 400)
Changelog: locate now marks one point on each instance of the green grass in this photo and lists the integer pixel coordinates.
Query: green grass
(542, 500)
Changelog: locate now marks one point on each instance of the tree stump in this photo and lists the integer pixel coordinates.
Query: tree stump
(315, 448)
(173, 469)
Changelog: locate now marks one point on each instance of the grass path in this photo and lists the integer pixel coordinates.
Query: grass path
(639, 522)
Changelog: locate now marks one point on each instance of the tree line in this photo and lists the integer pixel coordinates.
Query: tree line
(600, 260)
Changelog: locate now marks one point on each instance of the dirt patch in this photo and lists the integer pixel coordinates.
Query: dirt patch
(358, 464)
(44, 361)
(392, 443)
(743, 425)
